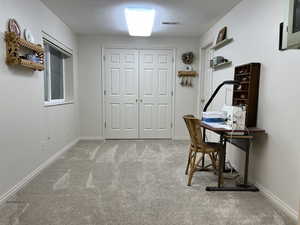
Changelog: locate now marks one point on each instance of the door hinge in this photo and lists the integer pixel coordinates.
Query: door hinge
(104, 124)
(172, 93)
(171, 125)
(173, 60)
(104, 92)
(104, 57)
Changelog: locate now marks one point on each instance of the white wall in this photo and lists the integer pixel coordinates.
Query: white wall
(25, 124)
(90, 87)
(254, 26)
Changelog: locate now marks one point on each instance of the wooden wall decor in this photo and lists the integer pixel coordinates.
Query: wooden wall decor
(13, 45)
(187, 78)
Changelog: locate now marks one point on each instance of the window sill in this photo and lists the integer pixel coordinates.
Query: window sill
(52, 104)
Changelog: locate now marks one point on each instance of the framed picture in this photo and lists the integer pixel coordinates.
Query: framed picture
(222, 35)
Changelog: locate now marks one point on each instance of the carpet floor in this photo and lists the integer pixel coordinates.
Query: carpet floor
(131, 183)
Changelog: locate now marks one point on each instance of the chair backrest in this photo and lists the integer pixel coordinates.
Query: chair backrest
(194, 128)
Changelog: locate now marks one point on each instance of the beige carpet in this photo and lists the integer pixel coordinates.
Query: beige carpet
(131, 183)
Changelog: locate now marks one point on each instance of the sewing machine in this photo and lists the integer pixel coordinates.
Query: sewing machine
(230, 117)
(235, 117)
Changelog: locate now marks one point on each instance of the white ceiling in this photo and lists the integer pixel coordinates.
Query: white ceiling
(107, 16)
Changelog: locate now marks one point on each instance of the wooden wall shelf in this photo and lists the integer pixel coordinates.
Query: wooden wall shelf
(187, 73)
(222, 65)
(222, 43)
(13, 46)
(247, 93)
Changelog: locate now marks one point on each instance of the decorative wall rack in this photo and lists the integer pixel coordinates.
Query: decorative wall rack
(187, 73)
(187, 78)
(13, 45)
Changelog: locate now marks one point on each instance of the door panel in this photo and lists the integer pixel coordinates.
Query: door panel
(148, 112)
(148, 88)
(121, 86)
(115, 74)
(129, 88)
(163, 82)
(115, 110)
(155, 93)
(130, 121)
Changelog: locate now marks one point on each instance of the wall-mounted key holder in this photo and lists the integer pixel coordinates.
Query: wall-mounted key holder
(187, 78)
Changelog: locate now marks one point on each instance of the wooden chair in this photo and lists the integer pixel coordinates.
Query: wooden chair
(198, 146)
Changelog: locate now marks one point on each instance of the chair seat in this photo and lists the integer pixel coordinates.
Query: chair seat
(208, 147)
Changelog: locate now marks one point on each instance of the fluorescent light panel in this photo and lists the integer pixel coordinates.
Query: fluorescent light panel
(139, 21)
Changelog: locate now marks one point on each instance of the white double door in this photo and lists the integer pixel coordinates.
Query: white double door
(138, 93)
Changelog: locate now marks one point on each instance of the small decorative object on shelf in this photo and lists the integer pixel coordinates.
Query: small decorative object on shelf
(222, 35)
(219, 62)
(222, 39)
(247, 93)
(28, 36)
(34, 60)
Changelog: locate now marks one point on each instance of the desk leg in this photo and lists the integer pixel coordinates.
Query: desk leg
(240, 187)
(223, 143)
(203, 155)
(245, 184)
(246, 168)
(222, 162)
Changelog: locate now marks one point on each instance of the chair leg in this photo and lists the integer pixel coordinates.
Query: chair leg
(198, 163)
(192, 168)
(203, 160)
(189, 161)
(213, 161)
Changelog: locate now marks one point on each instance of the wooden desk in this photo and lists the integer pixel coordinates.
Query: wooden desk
(240, 141)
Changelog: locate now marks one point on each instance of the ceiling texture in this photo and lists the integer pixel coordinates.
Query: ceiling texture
(107, 17)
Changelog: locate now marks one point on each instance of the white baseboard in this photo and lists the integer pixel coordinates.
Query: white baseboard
(285, 208)
(34, 173)
(92, 138)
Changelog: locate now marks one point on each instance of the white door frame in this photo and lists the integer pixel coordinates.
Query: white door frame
(173, 83)
(202, 68)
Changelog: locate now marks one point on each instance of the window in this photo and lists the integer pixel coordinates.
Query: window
(58, 75)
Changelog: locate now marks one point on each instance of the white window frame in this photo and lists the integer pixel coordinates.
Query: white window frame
(50, 101)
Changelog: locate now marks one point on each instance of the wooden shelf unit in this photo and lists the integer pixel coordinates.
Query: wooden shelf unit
(187, 73)
(13, 45)
(248, 75)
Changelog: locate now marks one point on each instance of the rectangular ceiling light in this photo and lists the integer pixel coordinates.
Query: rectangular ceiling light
(139, 21)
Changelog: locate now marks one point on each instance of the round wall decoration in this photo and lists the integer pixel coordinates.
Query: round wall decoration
(188, 58)
(13, 26)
